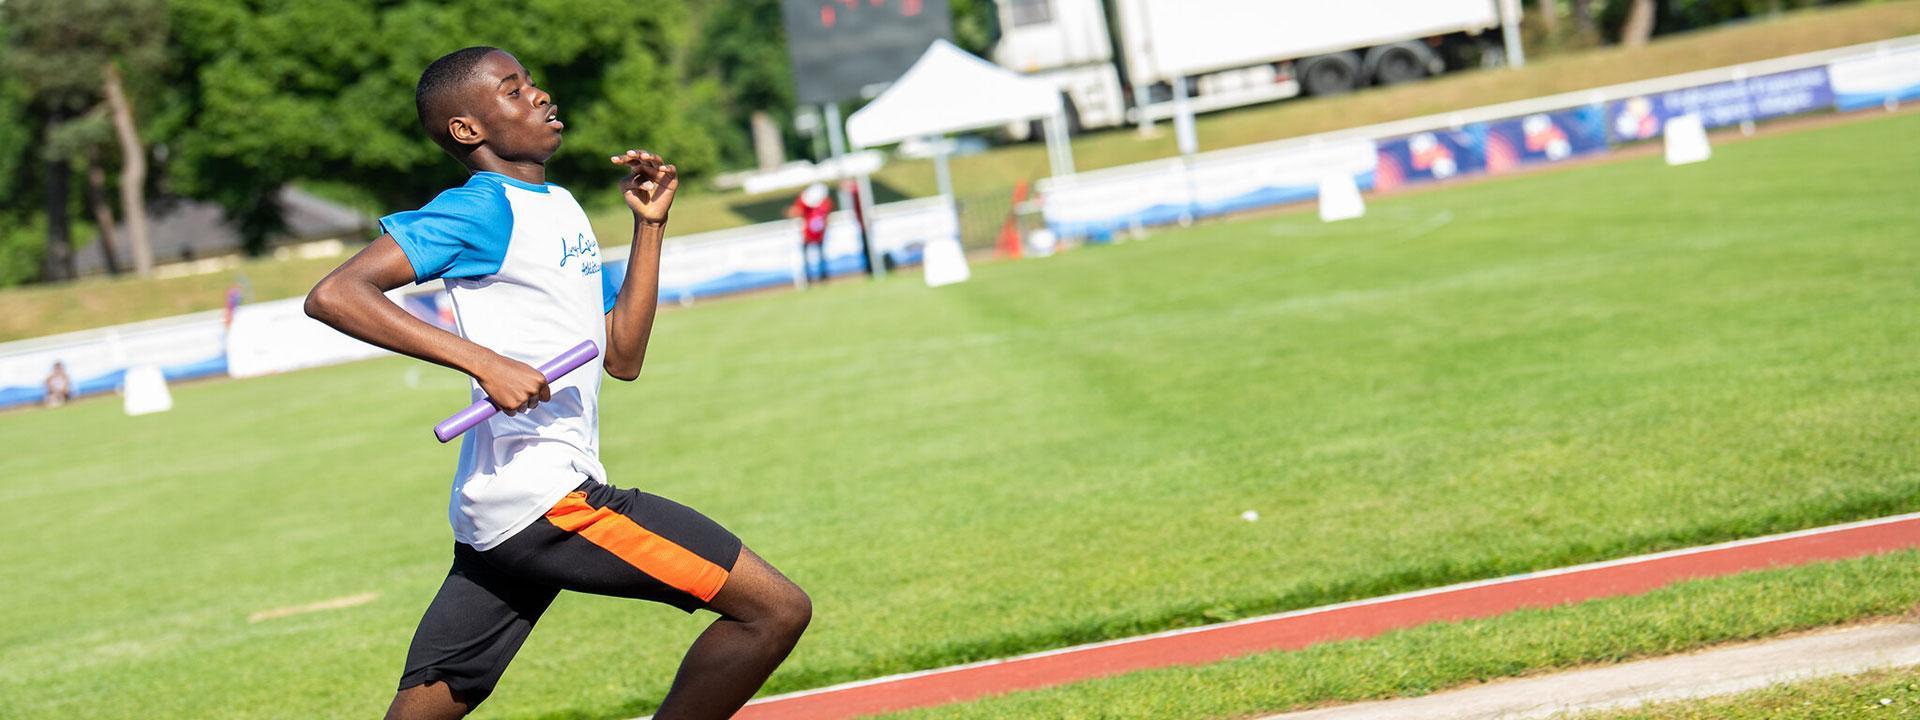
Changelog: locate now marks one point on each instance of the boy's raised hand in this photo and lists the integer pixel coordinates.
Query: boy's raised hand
(649, 185)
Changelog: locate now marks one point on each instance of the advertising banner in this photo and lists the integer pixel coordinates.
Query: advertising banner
(1098, 204)
(1876, 80)
(1720, 104)
(1546, 137)
(1429, 156)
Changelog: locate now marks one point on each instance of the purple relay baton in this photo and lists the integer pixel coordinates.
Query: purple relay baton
(478, 412)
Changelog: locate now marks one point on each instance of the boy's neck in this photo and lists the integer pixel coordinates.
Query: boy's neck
(527, 172)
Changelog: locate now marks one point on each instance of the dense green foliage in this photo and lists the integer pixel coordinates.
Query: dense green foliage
(280, 91)
(55, 55)
(21, 239)
(734, 50)
(1471, 381)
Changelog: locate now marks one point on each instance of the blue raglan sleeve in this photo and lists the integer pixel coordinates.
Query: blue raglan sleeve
(611, 276)
(463, 233)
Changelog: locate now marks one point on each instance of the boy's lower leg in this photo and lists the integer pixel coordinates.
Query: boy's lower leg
(432, 701)
(762, 616)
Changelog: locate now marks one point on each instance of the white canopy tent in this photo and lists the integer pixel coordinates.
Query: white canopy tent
(949, 90)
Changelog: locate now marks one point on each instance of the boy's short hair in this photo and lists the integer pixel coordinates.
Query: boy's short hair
(433, 97)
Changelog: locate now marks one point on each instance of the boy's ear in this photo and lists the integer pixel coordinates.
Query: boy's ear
(465, 130)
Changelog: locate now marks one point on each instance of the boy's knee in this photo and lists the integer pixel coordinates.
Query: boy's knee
(792, 610)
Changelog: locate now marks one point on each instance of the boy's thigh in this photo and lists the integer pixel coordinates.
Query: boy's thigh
(625, 543)
(471, 630)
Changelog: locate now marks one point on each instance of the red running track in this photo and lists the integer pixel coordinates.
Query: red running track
(1365, 618)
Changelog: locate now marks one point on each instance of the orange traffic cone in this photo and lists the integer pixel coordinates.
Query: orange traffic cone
(1010, 245)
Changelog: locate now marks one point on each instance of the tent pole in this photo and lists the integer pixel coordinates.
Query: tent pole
(874, 266)
(837, 145)
(943, 177)
(1066, 142)
(942, 174)
(1059, 159)
(1510, 33)
(1183, 118)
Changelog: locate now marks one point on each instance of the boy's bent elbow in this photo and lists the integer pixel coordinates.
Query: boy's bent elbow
(318, 304)
(325, 301)
(624, 374)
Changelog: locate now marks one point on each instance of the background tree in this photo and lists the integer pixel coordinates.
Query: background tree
(976, 26)
(743, 50)
(283, 90)
(1638, 27)
(1583, 19)
(22, 239)
(71, 55)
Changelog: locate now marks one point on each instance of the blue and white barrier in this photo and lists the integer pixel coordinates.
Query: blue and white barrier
(277, 336)
(1491, 139)
(1100, 203)
(184, 348)
(1883, 78)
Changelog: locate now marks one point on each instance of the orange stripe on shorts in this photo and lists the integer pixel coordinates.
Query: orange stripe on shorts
(642, 548)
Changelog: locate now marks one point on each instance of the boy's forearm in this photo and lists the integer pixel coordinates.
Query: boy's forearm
(631, 322)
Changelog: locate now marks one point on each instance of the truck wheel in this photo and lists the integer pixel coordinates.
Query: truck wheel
(1397, 63)
(1330, 74)
(1073, 114)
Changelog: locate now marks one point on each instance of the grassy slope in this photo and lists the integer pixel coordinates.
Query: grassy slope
(1422, 660)
(1475, 381)
(42, 311)
(1892, 693)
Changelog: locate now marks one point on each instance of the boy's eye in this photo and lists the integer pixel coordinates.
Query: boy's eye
(515, 93)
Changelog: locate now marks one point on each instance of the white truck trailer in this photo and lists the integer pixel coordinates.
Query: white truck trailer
(1118, 61)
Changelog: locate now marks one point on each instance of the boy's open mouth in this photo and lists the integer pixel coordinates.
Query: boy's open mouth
(553, 119)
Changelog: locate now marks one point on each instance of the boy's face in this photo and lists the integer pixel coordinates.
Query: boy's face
(502, 109)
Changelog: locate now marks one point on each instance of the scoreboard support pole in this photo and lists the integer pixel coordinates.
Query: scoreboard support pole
(837, 144)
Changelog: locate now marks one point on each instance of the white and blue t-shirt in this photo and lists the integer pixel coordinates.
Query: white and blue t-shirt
(523, 269)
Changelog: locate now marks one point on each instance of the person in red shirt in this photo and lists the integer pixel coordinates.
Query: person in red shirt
(812, 207)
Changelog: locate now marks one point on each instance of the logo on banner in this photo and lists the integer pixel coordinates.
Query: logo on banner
(1544, 137)
(1636, 120)
(1432, 157)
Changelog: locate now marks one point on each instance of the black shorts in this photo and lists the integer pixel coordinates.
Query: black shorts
(598, 539)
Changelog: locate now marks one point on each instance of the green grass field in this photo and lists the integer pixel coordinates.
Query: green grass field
(1509, 375)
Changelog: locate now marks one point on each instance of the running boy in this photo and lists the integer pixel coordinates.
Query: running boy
(531, 512)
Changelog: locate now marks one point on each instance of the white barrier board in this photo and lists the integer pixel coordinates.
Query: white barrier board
(278, 336)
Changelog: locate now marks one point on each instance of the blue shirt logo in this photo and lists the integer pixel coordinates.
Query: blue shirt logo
(587, 250)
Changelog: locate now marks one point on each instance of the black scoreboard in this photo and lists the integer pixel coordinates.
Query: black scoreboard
(839, 47)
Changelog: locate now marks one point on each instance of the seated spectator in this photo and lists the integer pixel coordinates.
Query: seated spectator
(59, 386)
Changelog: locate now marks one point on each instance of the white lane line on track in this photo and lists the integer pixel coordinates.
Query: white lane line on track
(312, 607)
(1637, 559)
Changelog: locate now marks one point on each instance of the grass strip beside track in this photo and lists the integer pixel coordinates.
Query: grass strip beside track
(1891, 693)
(1678, 618)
